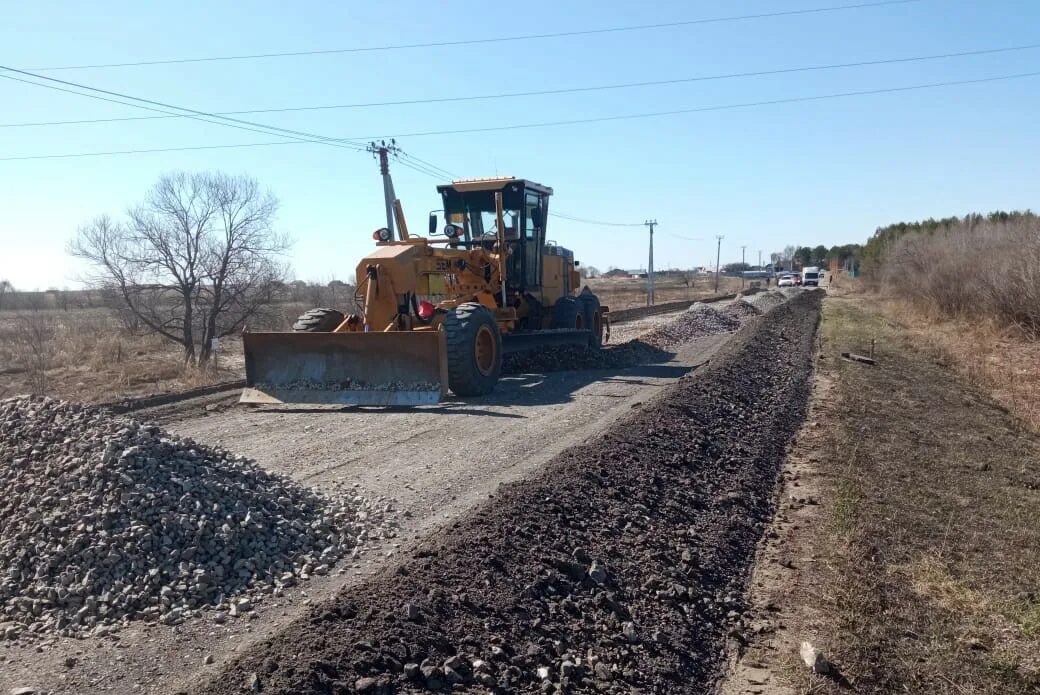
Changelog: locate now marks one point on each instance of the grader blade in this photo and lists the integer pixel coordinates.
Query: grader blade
(376, 369)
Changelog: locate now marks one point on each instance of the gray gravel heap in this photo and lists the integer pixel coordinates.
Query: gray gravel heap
(764, 301)
(741, 308)
(105, 520)
(697, 321)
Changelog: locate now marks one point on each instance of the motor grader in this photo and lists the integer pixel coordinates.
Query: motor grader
(437, 312)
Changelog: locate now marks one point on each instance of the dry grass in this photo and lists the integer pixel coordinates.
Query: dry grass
(629, 293)
(91, 357)
(990, 355)
(930, 566)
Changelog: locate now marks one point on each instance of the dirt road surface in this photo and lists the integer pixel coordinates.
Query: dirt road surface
(428, 464)
(617, 567)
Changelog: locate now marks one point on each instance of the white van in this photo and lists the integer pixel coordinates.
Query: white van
(811, 277)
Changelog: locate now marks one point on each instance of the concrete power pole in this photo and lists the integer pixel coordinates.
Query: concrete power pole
(742, 264)
(383, 152)
(650, 273)
(718, 256)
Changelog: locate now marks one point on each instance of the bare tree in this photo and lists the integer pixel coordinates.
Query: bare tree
(195, 261)
(5, 288)
(35, 339)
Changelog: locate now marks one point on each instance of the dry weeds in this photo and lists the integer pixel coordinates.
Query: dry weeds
(933, 552)
(629, 293)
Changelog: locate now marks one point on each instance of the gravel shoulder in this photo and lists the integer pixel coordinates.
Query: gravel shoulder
(422, 466)
(619, 565)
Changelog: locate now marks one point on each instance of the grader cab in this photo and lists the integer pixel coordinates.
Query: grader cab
(437, 313)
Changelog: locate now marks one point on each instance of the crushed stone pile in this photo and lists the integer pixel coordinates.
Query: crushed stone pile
(697, 321)
(764, 301)
(790, 291)
(104, 520)
(569, 357)
(653, 347)
(741, 308)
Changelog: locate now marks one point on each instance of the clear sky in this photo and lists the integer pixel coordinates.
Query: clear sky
(826, 171)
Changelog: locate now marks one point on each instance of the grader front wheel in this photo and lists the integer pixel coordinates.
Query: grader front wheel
(474, 350)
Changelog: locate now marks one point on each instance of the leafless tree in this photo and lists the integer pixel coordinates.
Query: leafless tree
(195, 261)
(5, 288)
(35, 338)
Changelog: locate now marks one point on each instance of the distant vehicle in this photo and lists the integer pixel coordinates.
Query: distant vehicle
(811, 276)
(785, 281)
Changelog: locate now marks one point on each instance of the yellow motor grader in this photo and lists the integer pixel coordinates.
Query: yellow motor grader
(437, 312)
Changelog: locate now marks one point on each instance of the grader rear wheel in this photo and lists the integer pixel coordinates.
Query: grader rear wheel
(568, 313)
(593, 317)
(320, 320)
(474, 350)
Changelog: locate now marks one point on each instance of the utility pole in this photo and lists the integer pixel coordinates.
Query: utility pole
(650, 273)
(742, 264)
(383, 152)
(718, 256)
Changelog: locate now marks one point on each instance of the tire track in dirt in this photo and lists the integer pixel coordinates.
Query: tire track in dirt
(621, 564)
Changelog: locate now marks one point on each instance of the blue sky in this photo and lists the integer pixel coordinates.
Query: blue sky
(805, 173)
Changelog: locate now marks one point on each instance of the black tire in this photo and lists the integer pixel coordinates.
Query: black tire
(318, 321)
(568, 312)
(593, 319)
(474, 350)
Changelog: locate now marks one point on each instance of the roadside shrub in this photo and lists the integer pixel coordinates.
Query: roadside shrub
(976, 268)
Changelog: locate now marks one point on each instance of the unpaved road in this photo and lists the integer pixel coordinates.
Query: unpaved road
(431, 464)
(617, 567)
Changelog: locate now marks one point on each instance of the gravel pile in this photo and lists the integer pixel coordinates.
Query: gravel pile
(561, 358)
(742, 309)
(621, 567)
(105, 520)
(698, 321)
(765, 301)
(790, 291)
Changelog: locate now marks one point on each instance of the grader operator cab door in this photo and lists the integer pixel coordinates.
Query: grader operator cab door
(471, 205)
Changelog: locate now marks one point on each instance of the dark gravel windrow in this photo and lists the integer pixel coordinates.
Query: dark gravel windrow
(620, 567)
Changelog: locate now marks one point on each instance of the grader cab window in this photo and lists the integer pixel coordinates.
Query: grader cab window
(524, 213)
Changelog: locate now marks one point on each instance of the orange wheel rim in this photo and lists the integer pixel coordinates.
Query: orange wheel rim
(484, 349)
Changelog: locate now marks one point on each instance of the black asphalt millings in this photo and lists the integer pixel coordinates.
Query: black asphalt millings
(620, 567)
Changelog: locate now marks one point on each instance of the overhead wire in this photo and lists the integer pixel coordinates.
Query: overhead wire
(702, 109)
(618, 117)
(488, 40)
(583, 220)
(544, 92)
(151, 105)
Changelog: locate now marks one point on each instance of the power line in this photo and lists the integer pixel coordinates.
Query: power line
(680, 236)
(74, 155)
(701, 109)
(149, 105)
(567, 90)
(583, 220)
(499, 39)
(821, 97)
